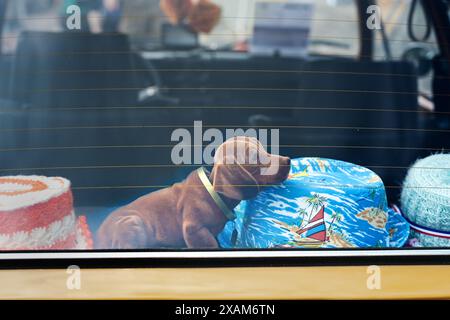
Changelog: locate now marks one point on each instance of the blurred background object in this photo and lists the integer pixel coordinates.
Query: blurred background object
(112, 14)
(201, 15)
(204, 16)
(176, 10)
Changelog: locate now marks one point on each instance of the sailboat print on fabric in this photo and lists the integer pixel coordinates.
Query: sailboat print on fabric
(315, 228)
(312, 230)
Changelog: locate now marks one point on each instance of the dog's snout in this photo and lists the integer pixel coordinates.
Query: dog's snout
(278, 170)
(285, 167)
(285, 161)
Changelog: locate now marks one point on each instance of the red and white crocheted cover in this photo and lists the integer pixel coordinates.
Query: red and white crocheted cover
(84, 236)
(36, 213)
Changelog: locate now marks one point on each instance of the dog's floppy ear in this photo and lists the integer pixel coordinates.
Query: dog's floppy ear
(234, 181)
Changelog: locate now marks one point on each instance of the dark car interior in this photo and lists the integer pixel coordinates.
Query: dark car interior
(92, 108)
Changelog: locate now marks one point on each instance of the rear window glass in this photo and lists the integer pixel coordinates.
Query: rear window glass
(213, 124)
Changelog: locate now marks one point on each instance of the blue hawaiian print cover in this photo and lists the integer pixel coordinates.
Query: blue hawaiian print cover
(323, 204)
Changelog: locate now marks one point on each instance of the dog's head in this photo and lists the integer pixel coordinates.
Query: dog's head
(242, 167)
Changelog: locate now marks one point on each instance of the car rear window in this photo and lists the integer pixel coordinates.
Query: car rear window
(117, 119)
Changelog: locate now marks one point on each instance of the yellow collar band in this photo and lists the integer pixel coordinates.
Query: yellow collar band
(216, 197)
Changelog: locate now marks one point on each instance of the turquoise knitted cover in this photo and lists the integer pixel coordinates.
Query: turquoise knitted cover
(425, 198)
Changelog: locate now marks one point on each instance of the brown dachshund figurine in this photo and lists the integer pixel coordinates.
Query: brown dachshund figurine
(192, 213)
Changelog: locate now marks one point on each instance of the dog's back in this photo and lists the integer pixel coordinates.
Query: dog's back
(148, 222)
